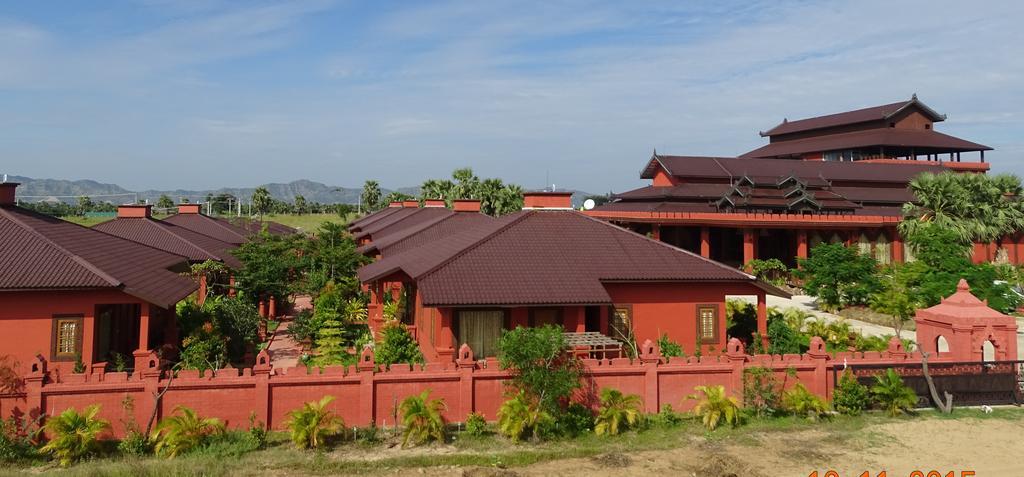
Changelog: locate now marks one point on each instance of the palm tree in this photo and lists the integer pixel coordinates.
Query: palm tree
(716, 407)
(617, 411)
(175, 435)
(300, 204)
(371, 195)
(977, 207)
(311, 423)
(891, 394)
(521, 416)
(467, 185)
(422, 418)
(74, 435)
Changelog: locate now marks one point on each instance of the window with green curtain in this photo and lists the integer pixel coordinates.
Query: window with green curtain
(481, 330)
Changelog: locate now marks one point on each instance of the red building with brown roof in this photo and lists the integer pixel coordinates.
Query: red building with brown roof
(69, 292)
(551, 265)
(837, 178)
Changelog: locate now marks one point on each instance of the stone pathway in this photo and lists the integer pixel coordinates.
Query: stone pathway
(284, 351)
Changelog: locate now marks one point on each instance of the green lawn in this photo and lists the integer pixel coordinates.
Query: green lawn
(380, 454)
(305, 222)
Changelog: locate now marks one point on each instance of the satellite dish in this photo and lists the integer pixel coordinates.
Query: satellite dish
(589, 204)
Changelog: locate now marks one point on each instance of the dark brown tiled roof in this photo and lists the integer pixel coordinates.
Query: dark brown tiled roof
(171, 238)
(834, 172)
(542, 257)
(876, 194)
(874, 113)
(395, 222)
(921, 139)
(685, 191)
(39, 252)
(413, 237)
(219, 229)
(372, 217)
(254, 227)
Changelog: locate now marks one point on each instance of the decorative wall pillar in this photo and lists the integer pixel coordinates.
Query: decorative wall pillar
(705, 242)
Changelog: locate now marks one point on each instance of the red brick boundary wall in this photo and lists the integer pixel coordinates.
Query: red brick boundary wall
(365, 395)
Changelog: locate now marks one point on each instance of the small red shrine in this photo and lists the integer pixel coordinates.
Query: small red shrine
(965, 323)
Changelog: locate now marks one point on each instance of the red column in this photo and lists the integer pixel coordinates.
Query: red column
(656, 232)
(231, 286)
(445, 350)
(897, 247)
(705, 242)
(603, 318)
(202, 289)
(762, 318)
(272, 308)
(141, 355)
(749, 252)
(575, 320)
(801, 244)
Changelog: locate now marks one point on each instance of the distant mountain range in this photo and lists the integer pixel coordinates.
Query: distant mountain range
(34, 190)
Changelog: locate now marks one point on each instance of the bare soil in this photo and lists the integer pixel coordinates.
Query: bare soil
(990, 447)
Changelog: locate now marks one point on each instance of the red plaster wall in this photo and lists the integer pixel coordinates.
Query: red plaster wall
(672, 308)
(364, 396)
(26, 321)
(663, 179)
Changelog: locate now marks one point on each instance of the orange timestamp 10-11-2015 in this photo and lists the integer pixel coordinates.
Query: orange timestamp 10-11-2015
(916, 473)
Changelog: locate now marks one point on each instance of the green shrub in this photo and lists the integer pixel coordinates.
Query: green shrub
(760, 391)
(539, 365)
(257, 432)
(422, 419)
(740, 319)
(668, 347)
(575, 420)
(204, 349)
(617, 412)
(715, 407)
(890, 394)
(476, 425)
(16, 442)
(134, 444)
(771, 270)
(74, 435)
(667, 417)
(397, 345)
(850, 397)
(522, 416)
(798, 401)
(838, 276)
(176, 435)
(783, 338)
(313, 422)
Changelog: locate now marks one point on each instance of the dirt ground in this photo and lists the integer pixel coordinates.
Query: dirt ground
(990, 447)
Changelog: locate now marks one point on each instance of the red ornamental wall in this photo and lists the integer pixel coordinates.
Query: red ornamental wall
(363, 395)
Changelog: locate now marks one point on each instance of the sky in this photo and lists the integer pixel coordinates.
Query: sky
(162, 94)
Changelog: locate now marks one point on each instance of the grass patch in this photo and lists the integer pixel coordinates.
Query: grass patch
(233, 454)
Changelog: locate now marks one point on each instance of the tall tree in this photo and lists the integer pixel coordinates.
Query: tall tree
(85, 204)
(261, 201)
(300, 204)
(371, 195)
(164, 202)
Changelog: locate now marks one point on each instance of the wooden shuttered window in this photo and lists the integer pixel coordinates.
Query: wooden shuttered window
(66, 340)
(707, 323)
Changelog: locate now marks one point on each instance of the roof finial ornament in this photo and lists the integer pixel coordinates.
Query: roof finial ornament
(785, 120)
(655, 152)
(962, 285)
(913, 97)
